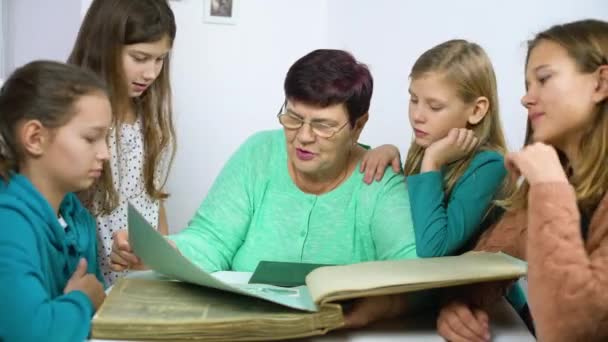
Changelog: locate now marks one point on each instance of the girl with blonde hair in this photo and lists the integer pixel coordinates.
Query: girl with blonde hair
(454, 165)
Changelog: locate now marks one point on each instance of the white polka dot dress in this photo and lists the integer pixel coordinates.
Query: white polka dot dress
(127, 173)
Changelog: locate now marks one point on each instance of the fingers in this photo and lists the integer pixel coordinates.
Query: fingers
(475, 143)
(452, 136)
(537, 163)
(470, 141)
(117, 263)
(121, 240)
(358, 316)
(124, 258)
(379, 172)
(122, 254)
(370, 170)
(354, 320)
(396, 163)
(449, 335)
(452, 336)
(457, 322)
(466, 322)
(511, 164)
(461, 138)
(81, 269)
(376, 161)
(94, 282)
(482, 317)
(458, 143)
(363, 163)
(466, 139)
(372, 309)
(374, 170)
(93, 288)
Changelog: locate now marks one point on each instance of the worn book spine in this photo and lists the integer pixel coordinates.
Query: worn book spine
(139, 309)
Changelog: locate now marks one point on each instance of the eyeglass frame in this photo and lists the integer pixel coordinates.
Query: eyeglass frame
(283, 111)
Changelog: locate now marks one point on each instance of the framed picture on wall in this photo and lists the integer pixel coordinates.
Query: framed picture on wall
(220, 11)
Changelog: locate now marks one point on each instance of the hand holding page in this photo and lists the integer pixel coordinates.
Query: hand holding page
(160, 256)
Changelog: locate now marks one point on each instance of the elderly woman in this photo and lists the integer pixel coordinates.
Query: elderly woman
(297, 194)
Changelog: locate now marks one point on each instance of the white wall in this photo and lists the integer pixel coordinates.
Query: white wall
(391, 34)
(84, 6)
(3, 36)
(39, 29)
(228, 79)
(228, 84)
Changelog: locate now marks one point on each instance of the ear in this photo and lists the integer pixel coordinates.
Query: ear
(34, 136)
(480, 109)
(359, 124)
(601, 89)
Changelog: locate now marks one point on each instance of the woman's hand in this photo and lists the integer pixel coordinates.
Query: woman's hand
(459, 143)
(537, 163)
(375, 161)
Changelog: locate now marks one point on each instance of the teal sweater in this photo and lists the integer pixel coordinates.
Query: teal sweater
(443, 227)
(255, 212)
(37, 258)
(447, 227)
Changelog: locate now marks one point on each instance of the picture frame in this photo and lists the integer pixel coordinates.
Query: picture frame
(220, 11)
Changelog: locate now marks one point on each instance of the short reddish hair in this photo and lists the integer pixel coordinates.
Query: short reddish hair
(328, 77)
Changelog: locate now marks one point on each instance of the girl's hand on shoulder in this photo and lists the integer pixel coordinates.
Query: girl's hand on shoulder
(459, 143)
(376, 161)
(537, 163)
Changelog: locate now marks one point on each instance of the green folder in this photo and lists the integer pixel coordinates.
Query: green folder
(286, 274)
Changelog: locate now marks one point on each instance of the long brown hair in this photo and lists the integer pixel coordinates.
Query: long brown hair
(41, 90)
(586, 42)
(466, 66)
(108, 26)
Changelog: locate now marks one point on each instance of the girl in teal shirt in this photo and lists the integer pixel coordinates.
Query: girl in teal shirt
(53, 124)
(454, 166)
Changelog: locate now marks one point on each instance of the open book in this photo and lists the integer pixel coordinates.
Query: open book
(203, 306)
